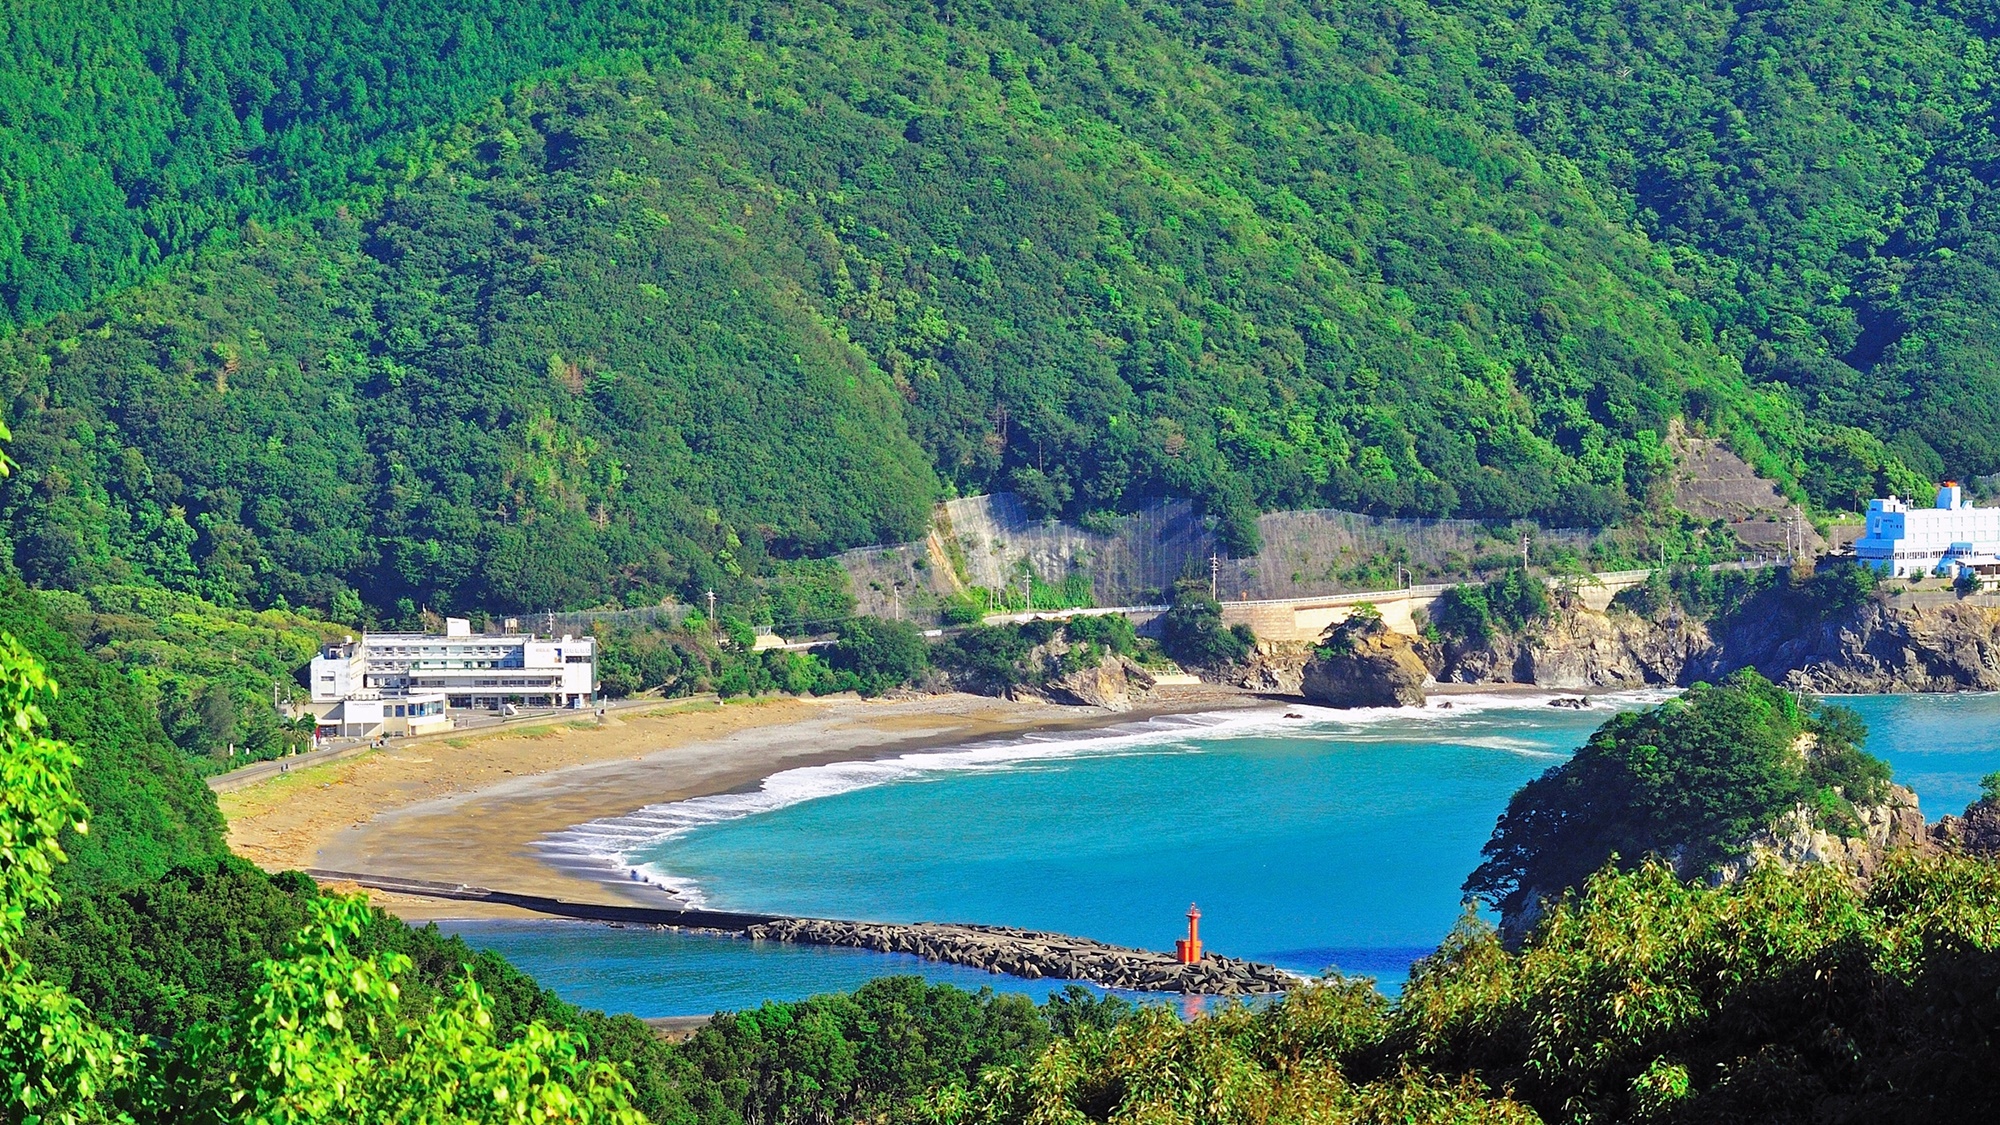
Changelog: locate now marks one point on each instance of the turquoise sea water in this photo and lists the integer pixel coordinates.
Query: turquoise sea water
(1338, 840)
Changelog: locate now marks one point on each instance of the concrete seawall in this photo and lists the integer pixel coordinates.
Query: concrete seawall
(1033, 954)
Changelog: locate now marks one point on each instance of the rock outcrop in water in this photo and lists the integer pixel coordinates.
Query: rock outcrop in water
(1037, 955)
(1977, 832)
(1362, 663)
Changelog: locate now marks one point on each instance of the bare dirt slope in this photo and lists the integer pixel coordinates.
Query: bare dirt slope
(1713, 483)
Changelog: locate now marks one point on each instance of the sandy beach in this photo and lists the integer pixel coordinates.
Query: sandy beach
(467, 810)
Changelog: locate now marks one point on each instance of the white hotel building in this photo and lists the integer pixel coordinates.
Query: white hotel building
(1947, 538)
(403, 683)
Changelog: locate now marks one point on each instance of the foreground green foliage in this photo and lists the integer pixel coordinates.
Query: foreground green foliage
(1789, 997)
(1691, 781)
(320, 1036)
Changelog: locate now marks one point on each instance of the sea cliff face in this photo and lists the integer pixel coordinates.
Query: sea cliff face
(1579, 649)
(1884, 645)
(1911, 643)
(1920, 644)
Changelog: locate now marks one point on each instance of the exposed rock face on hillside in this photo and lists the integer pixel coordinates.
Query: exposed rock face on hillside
(1713, 483)
(1276, 667)
(1975, 833)
(1793, 841)
(1111, 684)
(1883, 646)
(1904, 645)
(1362, 663)
(1579, 649)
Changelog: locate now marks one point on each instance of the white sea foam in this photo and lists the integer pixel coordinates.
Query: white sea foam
(604, 848)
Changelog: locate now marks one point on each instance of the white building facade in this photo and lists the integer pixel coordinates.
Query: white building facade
(416, 676)
(1949, 537)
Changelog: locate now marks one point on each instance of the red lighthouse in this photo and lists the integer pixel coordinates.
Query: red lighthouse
(1187, 950)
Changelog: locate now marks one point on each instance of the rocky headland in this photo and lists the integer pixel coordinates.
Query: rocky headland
(1907, 643)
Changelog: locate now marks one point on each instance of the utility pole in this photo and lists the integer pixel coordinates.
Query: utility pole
(1214, 572)
(711, 609)
(1028, 591)
(1524, 550)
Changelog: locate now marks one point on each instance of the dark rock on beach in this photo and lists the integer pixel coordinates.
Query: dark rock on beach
(1363, 663)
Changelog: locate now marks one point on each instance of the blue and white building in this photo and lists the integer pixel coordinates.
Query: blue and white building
(1949, 537)
(391, 684)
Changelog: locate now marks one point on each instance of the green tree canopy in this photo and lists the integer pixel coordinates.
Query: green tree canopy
(1689, 781)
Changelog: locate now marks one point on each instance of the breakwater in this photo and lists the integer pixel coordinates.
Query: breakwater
(1036, 954)
(1031, 954)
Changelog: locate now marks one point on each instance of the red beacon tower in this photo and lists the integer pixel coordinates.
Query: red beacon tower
(1187, 950)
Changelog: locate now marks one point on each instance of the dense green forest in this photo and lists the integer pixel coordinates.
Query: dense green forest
(149, 809)
(132, 133)
(476, 307)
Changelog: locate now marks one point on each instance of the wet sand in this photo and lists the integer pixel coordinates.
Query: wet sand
(469, 810)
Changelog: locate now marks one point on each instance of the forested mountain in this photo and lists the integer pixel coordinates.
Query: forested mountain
(766, 282)
(132, 131)
(1821, 173)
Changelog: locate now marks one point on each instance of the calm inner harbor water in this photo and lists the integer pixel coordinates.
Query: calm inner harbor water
(1337, 840)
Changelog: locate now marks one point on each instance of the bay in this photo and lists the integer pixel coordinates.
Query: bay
(1338, 840)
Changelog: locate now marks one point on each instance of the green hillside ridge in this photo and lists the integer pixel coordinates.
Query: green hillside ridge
(1822, 175)
(133, 134)
(770, 289)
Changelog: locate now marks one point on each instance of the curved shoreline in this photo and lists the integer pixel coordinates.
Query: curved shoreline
(470, 811)
(609, 850)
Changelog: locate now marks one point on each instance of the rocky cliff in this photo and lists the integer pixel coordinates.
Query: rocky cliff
(1579, 649)
(1977, 832)
(1794, 840)
(1362, 663)
(1921, 643)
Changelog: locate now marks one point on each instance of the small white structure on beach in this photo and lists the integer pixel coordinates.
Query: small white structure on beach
(1950, 537)
(403, 683)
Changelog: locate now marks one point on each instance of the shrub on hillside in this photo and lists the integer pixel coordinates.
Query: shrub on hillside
(1472, 615)
(1192, 631)
(880, 654)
